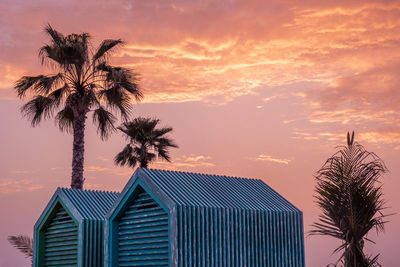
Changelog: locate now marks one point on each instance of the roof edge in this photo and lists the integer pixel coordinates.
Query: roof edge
(58, 196)
(202, 173)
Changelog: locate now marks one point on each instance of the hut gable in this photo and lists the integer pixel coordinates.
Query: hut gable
(72, 220)
(212, 220)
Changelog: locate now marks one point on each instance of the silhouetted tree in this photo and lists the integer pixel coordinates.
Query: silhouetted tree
(350, 196)
(146, 143)
(82, 82)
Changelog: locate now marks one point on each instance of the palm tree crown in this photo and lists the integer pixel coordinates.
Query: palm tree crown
(83, 82)
(146, 143)
(350, 196)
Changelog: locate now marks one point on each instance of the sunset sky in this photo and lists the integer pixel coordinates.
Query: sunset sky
(261, 89)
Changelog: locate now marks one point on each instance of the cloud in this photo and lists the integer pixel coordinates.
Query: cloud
(186, 162)
(112, 170)
(202, 50)
(269, 158)
(367, 101)
(102, 158)
(382, 136)
(18, 185)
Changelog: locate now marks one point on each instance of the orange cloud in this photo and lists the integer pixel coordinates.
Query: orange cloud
(185, 162)
(201, 50)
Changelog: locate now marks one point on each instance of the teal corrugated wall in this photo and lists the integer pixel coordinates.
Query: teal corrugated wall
(143, 234)
(227, 221)
(61, 241)
(92, 243)
(232, 237)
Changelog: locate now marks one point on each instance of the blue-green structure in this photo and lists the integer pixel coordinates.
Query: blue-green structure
(70, 230)
(170, 218)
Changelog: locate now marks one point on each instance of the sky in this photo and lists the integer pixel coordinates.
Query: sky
(258, 89)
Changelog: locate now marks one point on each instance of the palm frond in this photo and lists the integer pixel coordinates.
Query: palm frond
(40, 107)
(105, 47)
(65, 119)
(125, 157)
(25, 83)
(57, 38)
(117, 99)
(105, 122)
(47, 83)
(122, 78)
(23, 243)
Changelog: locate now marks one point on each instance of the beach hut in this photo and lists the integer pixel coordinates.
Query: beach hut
(171, 218)
(70, 230)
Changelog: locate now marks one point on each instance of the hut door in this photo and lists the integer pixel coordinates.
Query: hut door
(143, 233)
(61, 241)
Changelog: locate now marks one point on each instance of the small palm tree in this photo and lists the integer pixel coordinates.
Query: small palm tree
(22, 243)
(350, 196)
(146, 143)
(82, 82)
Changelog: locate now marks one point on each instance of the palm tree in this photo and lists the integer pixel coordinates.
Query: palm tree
(22, 243)
(146, 143)
(350, 196)
(82, 82)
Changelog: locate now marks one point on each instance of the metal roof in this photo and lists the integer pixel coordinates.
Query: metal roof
(204, 190)
(90, 204)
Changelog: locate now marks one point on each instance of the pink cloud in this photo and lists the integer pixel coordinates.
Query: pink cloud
(269, 158)
(18, 185)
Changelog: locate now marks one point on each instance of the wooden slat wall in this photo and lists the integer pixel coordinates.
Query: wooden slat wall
(61, 241)
(143, 234)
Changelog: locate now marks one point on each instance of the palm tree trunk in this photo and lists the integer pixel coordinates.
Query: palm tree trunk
(78, 151)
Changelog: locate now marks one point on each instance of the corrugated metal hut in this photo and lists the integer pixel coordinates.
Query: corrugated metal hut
(170, 218)
(70, 230)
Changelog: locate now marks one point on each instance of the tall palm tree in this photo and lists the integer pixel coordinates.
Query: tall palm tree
(146, 143)
(83, 81)
(351, 199)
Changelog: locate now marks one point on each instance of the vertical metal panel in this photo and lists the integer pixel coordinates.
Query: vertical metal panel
(143, 234)
(228, 237)
(61, 240)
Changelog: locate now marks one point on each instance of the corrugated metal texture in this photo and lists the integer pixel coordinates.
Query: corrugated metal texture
(143, 233)
(228, 221)
(233, 237)
(203, 190)
(92, 250)
(91, 204)
(61, 240)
